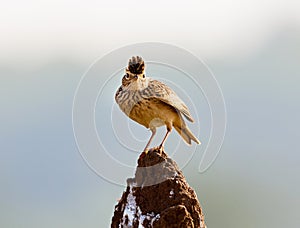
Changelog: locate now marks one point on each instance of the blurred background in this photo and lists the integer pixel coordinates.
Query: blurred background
(253, 49)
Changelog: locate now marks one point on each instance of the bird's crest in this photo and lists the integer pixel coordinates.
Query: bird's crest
(136, 65)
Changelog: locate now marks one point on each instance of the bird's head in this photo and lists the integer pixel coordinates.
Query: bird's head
(135, 71)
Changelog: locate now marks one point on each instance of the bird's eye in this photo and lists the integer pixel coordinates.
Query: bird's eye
(143, 76)
(126, 76)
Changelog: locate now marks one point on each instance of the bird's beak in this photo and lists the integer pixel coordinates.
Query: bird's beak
(136, 77)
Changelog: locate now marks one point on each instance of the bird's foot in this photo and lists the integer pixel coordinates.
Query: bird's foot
(161, 148)
(146, 150)
(144, 153)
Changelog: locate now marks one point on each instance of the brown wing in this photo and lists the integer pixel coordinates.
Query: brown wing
(162, 92)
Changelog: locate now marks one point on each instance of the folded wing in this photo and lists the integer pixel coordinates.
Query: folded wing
(162, 92)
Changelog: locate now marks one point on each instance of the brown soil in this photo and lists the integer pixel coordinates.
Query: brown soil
(158, 196)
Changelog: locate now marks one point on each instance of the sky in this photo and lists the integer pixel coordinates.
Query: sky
(75, 29)
(253, 50)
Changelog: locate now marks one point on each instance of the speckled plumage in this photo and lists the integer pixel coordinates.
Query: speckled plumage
(152, 103)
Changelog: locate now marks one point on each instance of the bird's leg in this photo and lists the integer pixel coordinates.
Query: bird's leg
(153, 130)
(165, 138)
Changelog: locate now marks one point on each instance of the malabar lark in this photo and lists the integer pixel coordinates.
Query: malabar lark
(152, 104)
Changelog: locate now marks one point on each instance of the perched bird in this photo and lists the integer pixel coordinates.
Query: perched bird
(152, 103)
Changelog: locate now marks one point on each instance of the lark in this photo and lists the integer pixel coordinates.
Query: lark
(152, 104)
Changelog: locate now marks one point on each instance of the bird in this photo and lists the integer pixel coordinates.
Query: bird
(152, 104)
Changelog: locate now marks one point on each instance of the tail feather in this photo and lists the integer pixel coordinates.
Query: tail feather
(186, 134)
